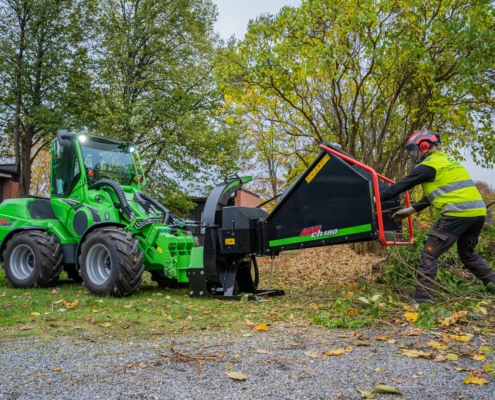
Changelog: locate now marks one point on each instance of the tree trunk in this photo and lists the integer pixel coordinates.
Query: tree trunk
(26, 162)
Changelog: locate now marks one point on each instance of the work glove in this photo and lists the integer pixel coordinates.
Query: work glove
(404, 213)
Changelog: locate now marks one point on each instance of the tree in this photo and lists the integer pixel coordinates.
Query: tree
(41, 73)
(367, 74)
(153, 63)
(40, 175)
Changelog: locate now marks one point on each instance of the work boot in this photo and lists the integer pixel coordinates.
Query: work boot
(415, 299)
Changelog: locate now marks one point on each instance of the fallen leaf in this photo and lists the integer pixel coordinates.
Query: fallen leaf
(77, 327)
(458, 316)
(62, 310)
(35, 314)
(352, 312)
(312, 354)
(56, 369)
(409, 308)
(436, 345)
(474, 380)
(360, 342)
(411, 316)
(440, 359)
(479, 357)
(247, 334)
(378, 370)
(337, 352)
(238, 376)
(261, 327)
(106, 325)
(38, 375)
(128, 305)
(385, 389)
(365, 394)
(416, 354)
(6, 305)
(364, 300)
(413, 332)
(461, 369)
(452, 357)
(382, 338)
(399, 381)
(348, 349)
(484, 350)
(463, 338)
(25, 328)
(392, 341)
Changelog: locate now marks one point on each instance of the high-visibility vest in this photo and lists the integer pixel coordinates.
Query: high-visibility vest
(453, 191)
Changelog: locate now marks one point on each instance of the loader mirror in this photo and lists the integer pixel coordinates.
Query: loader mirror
(64, 138)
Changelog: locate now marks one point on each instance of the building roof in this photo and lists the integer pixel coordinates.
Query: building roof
(12, 171)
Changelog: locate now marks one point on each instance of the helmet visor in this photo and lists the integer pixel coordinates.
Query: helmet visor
(414, 153)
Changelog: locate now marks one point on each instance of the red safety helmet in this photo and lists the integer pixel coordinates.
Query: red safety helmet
(420, 142)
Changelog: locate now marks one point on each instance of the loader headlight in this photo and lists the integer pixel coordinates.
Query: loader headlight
(131, 149)
(82, 138)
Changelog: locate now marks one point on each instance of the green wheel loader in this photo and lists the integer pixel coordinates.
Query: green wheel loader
(97, 224)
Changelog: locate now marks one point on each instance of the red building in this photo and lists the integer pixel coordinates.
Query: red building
(9, 181)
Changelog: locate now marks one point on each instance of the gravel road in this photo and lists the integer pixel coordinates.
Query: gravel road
(276, 368)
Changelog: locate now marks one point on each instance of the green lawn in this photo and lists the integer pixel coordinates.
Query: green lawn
(68, 308)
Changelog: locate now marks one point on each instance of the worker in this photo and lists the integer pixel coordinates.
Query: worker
(449, 188)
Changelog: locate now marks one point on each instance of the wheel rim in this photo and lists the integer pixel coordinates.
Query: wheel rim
(22, 261)
(98, 264)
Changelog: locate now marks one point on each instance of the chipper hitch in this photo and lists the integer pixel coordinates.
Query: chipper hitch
(332, 202)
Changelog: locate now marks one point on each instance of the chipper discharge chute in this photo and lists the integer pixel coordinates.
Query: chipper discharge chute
(332, 202)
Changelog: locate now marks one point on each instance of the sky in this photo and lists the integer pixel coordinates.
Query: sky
(233, 19)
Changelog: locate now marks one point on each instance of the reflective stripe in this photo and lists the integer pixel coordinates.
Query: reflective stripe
(450, 188)
(467, 205)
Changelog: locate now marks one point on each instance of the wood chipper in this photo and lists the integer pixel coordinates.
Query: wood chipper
(336, 200)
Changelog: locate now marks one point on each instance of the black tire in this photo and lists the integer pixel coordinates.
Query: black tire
(164, 282)
(32, 259)
(73, 273)
(111, 262)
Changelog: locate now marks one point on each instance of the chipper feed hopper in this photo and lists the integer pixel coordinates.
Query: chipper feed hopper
(103, 230)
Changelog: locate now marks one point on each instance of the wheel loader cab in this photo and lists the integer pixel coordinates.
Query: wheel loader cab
(79, 162)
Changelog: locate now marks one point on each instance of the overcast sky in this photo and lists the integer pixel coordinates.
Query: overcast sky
(233, 19)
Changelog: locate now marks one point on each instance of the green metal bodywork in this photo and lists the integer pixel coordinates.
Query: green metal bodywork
(78, 210)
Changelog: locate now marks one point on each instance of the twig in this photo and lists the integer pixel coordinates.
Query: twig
(385, 322)
(198, 359)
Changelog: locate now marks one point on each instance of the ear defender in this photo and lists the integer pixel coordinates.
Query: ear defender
(424, 146)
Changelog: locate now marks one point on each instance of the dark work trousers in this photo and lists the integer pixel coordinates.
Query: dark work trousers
(445, 232)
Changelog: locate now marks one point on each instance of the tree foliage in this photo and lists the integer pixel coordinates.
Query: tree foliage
(41, 72)
(153, 62)
(367, 74)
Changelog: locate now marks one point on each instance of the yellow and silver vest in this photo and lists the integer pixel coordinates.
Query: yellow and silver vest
(453, 191)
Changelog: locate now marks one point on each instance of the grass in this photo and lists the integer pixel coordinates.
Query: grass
(68, 308)
(330, 286)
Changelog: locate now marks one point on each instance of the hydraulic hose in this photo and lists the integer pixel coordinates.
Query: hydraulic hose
(120, 195)
(168, 214)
